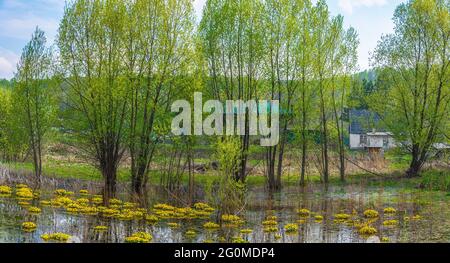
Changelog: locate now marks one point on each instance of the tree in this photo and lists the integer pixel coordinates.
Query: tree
(91, 42)
(33, 96)
(158, 60)
(414, 62)
(231, 36)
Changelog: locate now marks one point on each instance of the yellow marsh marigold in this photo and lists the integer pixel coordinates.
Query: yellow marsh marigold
(270, 229)
(389, 210)
(100, 228)
(211, 225)
(231, 218)
(238, 240)
(173, 225)
(25, 193)
(318, 218)
(269, 223)
(367, 230)
(34, 210)
(61, 237)
(191, 233)
(151, 218)
(246, 231)
(303, 212)
(342, 216)
(29, 226)
(84, 192)
(370, 213)
(290, 228)
(278, 236)
(384, 239)
(5, 190)
(139, 237)
(390, 223)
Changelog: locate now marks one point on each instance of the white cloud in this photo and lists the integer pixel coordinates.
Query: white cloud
(8, 61)
(348, 5)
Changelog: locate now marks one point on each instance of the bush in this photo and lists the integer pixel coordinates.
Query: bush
(436, 180)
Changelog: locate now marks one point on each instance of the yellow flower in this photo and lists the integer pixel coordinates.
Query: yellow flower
(384, 239)
(342, 216)
(416, 217)
(34, 210)
(100, 228)
(246, 231)
(277, 236)
(29, 226)
(390, 223)
(318, 217)
(173, 225)
(231, 218)
(62, 192)
(211, 225)
(304, 212)
(56, 237)
(270, 229)
(370, 213)
(151, 218)
(5, 190)
(191, 233)
(238, 240)
(389, 210)
(367, 230)
(269, 223)
(139, 237)
(290, 228)
(84, 192)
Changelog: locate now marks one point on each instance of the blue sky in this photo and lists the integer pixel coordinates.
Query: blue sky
(18, 18)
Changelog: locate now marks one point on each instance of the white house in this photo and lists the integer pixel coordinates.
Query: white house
(365, 132)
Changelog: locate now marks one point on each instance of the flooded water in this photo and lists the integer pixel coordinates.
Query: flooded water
(419, 216)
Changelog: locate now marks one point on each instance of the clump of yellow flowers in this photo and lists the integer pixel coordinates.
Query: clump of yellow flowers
(303, 212)
(139, 237)
(370, 213)
(29, 227)
(210, 225)
(389, 210)
(5, 190)
(390, 223)
(34, 210)
(367, 230)
(291, 228)
(61, 237)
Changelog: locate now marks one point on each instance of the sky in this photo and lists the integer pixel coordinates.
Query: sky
(19, 18)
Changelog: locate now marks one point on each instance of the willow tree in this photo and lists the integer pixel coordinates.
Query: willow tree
(32, 96)
(231, 36)
(414, 61)
(91, 44)
(159, 58)
(343, 61)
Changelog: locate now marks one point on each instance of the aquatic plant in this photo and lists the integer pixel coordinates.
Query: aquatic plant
(290, 228)
(139, 237)
(203, 207)
(367, 230)
(84, 192)
(370, 213)
(273, 218)
(151, 219)
(61, 237)
(24, 203)
(342, 216)
(318, 218)
(173, 225)
(238, 240)
(277, 236)
(303, 212)
(384, 239)
(390, 223)
(165, 207)
(269, 223)
(246, 231)
(34, 210)
(24, 193)
(231, 218)
(270, 229)
(210, 225)
(191, 233)
(29, 227)
(100, 228)
(389, 210)
(62, 192)
(5, 190)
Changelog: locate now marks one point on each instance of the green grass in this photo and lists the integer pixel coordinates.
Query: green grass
(64, 169)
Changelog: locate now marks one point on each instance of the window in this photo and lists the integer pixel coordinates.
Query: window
(385, 142)
(363, 139)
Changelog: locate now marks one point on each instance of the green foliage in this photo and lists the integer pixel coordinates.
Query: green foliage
(436, 180)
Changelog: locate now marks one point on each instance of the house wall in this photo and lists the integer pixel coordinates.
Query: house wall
(373, 141)
(355, 142)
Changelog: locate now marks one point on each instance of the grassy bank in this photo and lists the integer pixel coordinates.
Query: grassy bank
(438, 180)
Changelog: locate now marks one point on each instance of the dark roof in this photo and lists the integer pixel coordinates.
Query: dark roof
(364, 121)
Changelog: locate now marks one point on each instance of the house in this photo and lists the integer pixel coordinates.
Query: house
(367, 133)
